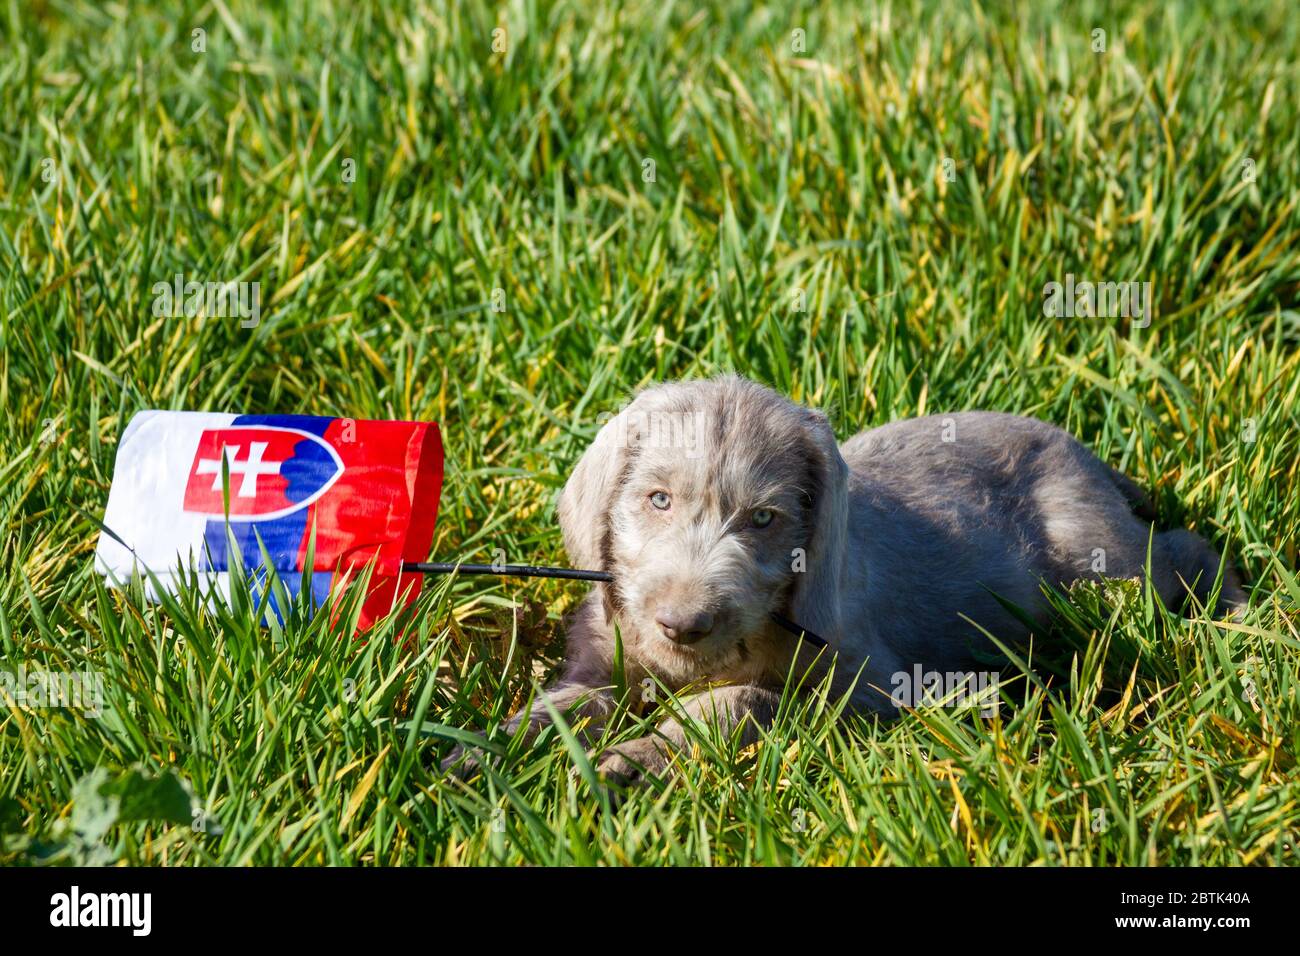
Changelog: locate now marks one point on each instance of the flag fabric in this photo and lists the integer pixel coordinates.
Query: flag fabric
(368, 489)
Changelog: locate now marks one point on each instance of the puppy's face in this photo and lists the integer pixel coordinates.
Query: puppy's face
(706, 525)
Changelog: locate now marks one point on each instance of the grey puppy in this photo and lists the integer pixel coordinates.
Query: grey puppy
(714, 503)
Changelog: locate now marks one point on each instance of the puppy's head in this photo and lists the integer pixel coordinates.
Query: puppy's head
(713, 504)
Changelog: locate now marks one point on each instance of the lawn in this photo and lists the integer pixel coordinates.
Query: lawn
(506, 219)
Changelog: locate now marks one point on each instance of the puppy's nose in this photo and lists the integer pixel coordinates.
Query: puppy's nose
(682, 626)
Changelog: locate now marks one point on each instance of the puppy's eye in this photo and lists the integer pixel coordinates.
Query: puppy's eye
(661, 500)
(762, 517)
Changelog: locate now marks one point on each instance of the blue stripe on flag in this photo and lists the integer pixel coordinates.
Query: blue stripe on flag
(320, 590)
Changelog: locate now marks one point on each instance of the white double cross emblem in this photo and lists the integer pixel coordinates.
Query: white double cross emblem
(250, 468)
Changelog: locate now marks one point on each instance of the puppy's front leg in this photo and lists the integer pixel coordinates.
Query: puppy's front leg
(571, 698)
(745, 706)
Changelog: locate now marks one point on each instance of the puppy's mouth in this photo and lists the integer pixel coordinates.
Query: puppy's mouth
(689, 639)
(693, 647)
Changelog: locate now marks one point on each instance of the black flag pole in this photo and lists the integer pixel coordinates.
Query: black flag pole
(506, 570)
(570, 574)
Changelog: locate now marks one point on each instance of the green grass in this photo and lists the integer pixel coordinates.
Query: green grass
(125, 158)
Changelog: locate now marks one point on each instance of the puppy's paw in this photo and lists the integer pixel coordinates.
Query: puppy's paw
(462, 763)
(633, 764)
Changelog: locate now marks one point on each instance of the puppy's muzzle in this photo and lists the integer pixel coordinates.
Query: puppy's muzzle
(684, 627)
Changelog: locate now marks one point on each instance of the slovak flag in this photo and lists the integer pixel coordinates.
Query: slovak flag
(369, 489)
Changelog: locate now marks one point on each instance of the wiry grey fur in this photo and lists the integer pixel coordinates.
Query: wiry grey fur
(884, 546)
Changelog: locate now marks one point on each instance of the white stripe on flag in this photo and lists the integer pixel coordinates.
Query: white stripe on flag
(144, 503)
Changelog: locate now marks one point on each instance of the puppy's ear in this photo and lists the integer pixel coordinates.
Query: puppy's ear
(584, 504)
(817, 599)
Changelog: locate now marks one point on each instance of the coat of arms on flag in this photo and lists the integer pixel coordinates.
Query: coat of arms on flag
(367, 490)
